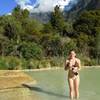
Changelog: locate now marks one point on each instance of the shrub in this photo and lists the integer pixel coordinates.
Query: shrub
(10, 62)
(57, 61)
(45, 63)
(68, 46)
(13, 62)
(31, 50)
(3, 64)
(51, 44)
(33, 64)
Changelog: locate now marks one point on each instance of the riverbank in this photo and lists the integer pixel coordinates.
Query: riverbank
(44, 69)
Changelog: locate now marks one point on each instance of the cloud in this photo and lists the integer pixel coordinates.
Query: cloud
(9, 14)
(48, 5)
(62, 3)
(25, 4)
(43, 5)
(28, 7)
(22, 3)
(71, 4)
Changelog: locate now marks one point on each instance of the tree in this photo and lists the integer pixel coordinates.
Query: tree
(83, 43)
(12, 27)
(32, 26)
(48, 28)
(4, 42)
(57, 20)
(19, 13)
(30, 50)
(97, 44)
(51, 44)
(87, 27)
(87, 22)
(32, 29)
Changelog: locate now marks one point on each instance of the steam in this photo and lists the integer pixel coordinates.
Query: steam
(46, 5)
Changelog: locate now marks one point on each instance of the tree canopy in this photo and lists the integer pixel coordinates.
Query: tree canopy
(25, 37)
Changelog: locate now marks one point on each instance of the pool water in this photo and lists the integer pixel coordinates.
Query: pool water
(53, 85)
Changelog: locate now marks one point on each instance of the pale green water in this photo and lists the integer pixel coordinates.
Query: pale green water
(52, 85)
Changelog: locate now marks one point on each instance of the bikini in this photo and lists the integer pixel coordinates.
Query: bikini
(71, 73)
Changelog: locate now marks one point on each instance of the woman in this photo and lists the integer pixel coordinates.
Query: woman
(73, 66)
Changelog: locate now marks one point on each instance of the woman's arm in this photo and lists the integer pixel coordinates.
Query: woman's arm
(66, 65)
(79, 64)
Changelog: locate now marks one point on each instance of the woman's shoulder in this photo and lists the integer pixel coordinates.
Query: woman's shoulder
(67, 60)
(78, 60)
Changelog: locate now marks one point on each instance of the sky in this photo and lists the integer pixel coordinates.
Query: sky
(6, 6)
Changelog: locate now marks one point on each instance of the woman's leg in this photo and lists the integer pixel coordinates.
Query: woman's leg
(76, 86)
(71, 88)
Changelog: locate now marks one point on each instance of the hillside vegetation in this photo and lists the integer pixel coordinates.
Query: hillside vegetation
(28, 43)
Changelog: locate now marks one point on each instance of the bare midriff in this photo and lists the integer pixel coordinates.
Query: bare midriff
(71, 74)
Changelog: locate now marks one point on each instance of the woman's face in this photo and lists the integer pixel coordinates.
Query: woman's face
(72, 54)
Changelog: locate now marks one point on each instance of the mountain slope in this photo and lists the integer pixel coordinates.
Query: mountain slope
(81, 6)
(73, 13)
(42, 17)
(94, 4)
(77, 9)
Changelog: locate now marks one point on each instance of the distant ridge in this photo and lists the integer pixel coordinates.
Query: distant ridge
(72, 14)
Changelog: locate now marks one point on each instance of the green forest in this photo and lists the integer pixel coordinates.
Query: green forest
(26, 43)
